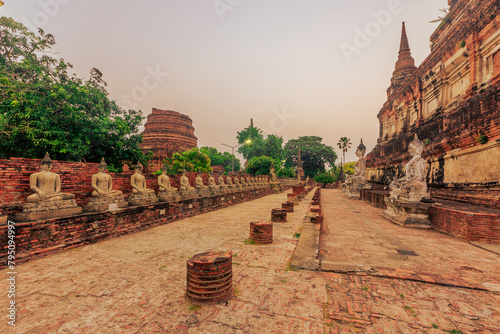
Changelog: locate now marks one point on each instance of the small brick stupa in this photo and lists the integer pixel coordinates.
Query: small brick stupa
(167, 132)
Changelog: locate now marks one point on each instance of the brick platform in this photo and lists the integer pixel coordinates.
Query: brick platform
(210, 277)
(375, 197)
(468, 222)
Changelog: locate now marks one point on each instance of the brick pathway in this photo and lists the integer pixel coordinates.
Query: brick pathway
(441, 289)
(136, 283)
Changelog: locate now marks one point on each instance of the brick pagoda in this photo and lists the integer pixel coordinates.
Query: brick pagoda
(167, 132)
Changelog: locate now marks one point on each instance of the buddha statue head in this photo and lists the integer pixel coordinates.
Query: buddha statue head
(361, 150)
(416, 147)
(102, 166)
(46, 163)
(138, 167)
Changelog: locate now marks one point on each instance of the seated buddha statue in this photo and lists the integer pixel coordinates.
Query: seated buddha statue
(413, 185)
(138, 182)
(46, 184)
(102, 183)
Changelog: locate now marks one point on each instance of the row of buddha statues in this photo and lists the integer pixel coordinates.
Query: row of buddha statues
(47, 196)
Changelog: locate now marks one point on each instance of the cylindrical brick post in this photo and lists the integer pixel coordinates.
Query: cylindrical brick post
(209, 277)
(278, 215)
(292, 198)
(314, 208)
(261, 232)
(288, 206)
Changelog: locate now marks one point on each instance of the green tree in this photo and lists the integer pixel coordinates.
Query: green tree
(273, 147)
(253, 144)
(221, 158)
(315, 155)
(251, 140)
(286, 172)
(192, 160)
(349, 167)
(260, 165)
(324, 178)
(344, 144)
(44, 108)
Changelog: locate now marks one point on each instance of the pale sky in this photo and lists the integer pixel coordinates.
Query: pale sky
(222, 62)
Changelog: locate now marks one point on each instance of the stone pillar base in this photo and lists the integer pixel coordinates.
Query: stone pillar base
(202, 192)
(49, 214)
(104, 206)
(139, 200)
(47, 210)
(189, 194)
(407, 213)
(169, 197)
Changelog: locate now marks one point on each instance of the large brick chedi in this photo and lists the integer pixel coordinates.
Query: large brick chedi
(452, 102)
(167, 132)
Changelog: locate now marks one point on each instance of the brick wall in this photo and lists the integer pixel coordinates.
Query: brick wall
(37, 239)
(466, 222)
(75, 178)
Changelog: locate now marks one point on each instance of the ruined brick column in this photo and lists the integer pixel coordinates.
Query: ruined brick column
(261, 232)
(292, 198)
(209, 277)
(278, 215)
(288, 206)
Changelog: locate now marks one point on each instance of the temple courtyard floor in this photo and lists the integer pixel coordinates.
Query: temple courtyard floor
(137, 283)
